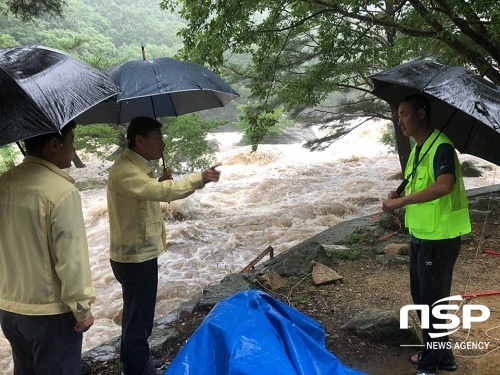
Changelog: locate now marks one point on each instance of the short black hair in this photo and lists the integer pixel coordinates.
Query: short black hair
(141, 126)
(35, 145)
(417, 102)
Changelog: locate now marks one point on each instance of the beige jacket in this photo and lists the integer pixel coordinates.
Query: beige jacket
(44, 260)
(136, 228)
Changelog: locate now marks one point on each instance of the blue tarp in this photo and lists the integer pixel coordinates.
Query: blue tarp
(253, 333)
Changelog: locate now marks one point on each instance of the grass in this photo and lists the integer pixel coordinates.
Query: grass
(359, 237)
(348, 254)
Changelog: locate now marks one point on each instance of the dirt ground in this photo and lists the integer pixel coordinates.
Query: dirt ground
(367, 284)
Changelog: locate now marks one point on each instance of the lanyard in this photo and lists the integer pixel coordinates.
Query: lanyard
(416, 162)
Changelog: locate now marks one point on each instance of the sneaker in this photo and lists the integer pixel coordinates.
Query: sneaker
(424, 372)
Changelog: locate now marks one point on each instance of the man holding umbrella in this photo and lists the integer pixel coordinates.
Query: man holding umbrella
(137, 234)
(45, 282)
(436, 216)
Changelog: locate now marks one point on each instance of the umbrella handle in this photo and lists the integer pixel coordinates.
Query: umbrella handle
(166, 175)
(402, 186)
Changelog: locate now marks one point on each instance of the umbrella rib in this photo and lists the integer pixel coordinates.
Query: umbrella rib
(33, 101)
(153, 106)
(428, 83)
(156, 75)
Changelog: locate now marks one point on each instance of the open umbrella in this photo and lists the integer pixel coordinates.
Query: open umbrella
(42, 89)
(465, 106)
(158, 88)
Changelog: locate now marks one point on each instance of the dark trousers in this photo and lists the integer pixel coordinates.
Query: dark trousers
(43, 345)
(431, 272)
(139, 285)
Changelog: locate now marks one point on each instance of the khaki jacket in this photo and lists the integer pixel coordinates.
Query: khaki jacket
(136, 228)
(44, 260)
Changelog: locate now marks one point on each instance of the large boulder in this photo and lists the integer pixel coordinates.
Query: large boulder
(469, 169)
(229, 285)
(297, 260)
(382, 326)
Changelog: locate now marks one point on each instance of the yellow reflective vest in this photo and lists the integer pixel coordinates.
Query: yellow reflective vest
(442, 218)
(136, 228)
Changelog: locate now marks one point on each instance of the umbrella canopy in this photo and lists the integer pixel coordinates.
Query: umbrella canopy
(465, 106)
(42, 89)
(161, 87)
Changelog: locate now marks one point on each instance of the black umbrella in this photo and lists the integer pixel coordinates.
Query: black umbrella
(465, 106)
(161, 87)
(42, 89)
(158, 88)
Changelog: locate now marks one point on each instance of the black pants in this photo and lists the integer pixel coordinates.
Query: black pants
(431, 272)
(139, 285)
(43, 345)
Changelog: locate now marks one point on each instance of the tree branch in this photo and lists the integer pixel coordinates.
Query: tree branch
(470, 54)
(481, 36)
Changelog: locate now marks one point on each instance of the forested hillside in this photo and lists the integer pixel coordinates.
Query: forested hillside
(101, 32)
(106, 33)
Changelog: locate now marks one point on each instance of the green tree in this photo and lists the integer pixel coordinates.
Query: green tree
(8, 154)
(29, 9)
(277, 117)
(99, 138)
(106, 33)
(309, 56)
(186, 147)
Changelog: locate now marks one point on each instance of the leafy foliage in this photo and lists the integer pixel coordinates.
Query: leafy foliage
(29, 9)
(7, 156)
(303, 51)
(256, 127)
(347, 254)
(106, 33)
(97, 138)
(186, 148)
(388, 138)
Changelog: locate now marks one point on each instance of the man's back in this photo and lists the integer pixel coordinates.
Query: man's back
(43, 240)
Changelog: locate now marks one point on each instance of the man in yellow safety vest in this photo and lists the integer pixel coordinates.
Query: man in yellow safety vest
(436, 214)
